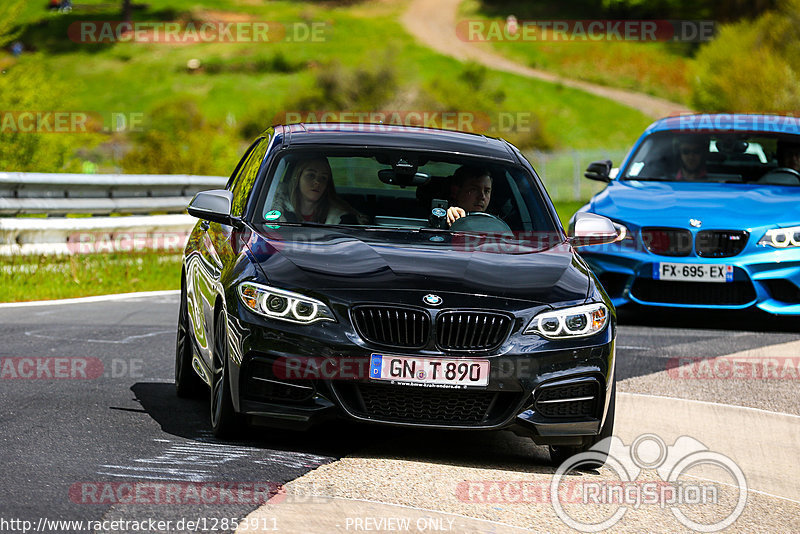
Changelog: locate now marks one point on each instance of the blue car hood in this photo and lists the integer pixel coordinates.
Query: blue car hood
(717, 205)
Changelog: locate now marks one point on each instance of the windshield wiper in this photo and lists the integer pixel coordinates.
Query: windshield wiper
(310, 224)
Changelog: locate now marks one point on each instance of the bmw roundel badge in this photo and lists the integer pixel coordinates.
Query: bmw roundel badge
(432, 300)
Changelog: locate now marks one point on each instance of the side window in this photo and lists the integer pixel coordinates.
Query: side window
(240, 166)
(245, 179)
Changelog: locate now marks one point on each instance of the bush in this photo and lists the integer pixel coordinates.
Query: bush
(377, 88)
(752, 66)
(365, 88)
(10, 11)
(277, 62)
(29, 88)
(179, 140)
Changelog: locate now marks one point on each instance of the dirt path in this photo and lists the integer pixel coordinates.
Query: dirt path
(433, 23)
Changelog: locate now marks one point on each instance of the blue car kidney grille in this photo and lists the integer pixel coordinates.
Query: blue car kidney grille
(720, 243)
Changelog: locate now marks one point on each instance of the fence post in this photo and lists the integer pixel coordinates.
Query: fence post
(576, 173)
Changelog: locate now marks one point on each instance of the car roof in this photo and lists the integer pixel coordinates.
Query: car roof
(728, 122)
(395, 136)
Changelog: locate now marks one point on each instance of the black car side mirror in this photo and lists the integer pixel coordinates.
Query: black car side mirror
(599, 170)
(214, 206)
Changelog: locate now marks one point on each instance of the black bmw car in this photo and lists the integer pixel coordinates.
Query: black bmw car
(394, 275)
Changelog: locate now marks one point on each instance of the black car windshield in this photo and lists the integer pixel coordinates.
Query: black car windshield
(761, 158)
(377, 188)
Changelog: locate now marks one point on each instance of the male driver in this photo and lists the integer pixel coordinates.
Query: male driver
(692, 153)
(470, 190)
(789, 156)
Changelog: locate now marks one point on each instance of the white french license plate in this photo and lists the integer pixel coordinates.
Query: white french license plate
(429, 371)
(693, 272)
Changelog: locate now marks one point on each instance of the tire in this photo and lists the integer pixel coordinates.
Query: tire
(187, 383)
(225, 422)
(560, 454)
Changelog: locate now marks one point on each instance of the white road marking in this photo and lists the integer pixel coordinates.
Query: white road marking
(84, 300)
(784, 414)
(128, 339)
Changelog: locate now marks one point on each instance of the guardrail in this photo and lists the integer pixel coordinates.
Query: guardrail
(163, 198)
(99, 194)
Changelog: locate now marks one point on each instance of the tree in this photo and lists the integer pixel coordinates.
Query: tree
(752, 65)
(126, 10)
(9, 18)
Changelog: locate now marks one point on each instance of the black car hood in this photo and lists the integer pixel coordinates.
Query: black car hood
(320, 258)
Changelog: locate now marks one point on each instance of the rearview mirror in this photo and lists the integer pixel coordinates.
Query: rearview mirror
(599, 170)
(394, 177)
(591, 229)
(213, 205)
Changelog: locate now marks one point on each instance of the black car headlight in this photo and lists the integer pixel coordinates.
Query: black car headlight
(782, 237)
(577, 321)
(283, 305)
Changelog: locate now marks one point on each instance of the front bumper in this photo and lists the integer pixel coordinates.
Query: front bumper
(763, 278)
(553, 391)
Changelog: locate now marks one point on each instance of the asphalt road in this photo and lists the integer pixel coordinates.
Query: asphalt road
(89, 412)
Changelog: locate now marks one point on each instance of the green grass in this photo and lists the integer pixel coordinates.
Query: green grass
(244, 83)
(566, 210)
(657, 68)
(562, 172)
(24, 278)
(135, 77)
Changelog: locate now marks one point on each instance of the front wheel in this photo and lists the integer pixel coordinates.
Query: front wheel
(225, 422)
(187, 383)
(560, 454)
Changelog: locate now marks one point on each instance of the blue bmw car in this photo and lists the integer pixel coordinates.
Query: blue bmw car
(710, 209)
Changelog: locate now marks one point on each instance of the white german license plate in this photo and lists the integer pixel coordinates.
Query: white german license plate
(693, 272)
(432, 371)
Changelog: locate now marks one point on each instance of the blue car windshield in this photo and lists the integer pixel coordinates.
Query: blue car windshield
(761, 158)
(392, 189)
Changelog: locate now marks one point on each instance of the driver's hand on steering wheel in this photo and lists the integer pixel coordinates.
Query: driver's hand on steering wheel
(453, 213)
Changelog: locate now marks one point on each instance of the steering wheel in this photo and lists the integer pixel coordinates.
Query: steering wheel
(780, 170)
(480, 221)
(786, 170)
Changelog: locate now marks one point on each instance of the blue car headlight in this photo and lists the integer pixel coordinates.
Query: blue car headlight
(283, 305)
(577, 321)
(781, 237)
